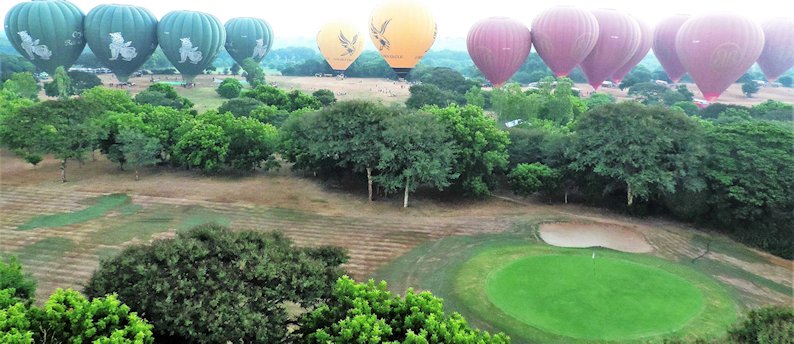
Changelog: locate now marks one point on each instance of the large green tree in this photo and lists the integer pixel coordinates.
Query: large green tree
(139, 148)
(254, 74)
(23, 84)
(213, 285)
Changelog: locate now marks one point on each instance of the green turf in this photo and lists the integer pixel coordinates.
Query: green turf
(99, 207)
(142, 226)
(602, 299)
(44, 250)
(196, 216)
(204, 98)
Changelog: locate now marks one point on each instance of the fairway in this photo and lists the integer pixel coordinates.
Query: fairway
(605, 298)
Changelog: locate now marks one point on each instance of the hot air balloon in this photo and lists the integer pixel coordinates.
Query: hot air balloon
(248, 38)
(717, 49)
(402, 31)
(646, 40)
(563, 36)
(778, 54)
(664, 45)
(498, 46)
(122, 37)
(618, 40)
(340, 43)
(47, 32)
(190, 40)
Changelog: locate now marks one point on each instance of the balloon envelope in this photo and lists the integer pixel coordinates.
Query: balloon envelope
(49, 33)
(498, 46)
(340, 43)
(618, 40)
(122, 37)
(563, 36)
(778, 54)
(646, 40)
(402, 31)
(248, 38)
(664, 46)
(717, 49)
(190, 40)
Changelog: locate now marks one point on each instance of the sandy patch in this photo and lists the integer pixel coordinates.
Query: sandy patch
(595, 235)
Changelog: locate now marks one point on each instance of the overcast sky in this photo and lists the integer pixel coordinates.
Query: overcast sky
(302, 18)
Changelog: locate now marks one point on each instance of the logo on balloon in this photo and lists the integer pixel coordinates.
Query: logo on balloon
(260, 49)
(119, 47)
(581, 46)
(726, 56)
(33, 48)
(77, 39)
(383, 42)
(350, 46)
(188, 52)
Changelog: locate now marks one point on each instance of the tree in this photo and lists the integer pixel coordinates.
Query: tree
(110, 100)
(68, 317)
(67, 128)
(325, 97)
(235, 69)
(213, 285)
(773, 110)
(240, 107)
(270, 115)
(17, 286)
(269, 95)
(527, 179)
(598, 99)
(24, 85)
(160, 94)
(299, 100)
(415, 150)
(650, 93)
(203, 145)
(767, 325)
(560, 105)
(749, 88)
(786, 81)
(138, 148)
(254, 74)
(511, 103)
(638, 74)
(14, 63)
(369, 313)
(230, 88)
(447, 79)
(82, 81)
(642, 150)
(429, 94)
(61, 83)
(475, 97)
(481, 148)
(252, 143)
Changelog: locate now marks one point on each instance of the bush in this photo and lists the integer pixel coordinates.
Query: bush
(213, 285)
(159, 94)
(527, 179)
(769, 325)
(18, 286)
(240, 107)
(325, 97)
(369, 313)
(230, 88)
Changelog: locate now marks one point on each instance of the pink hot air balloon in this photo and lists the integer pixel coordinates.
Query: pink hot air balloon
(646, 40)
(563, 36)
(618, 40)
(664, 45)
(498, 46)
(778, 54)
(717, 49)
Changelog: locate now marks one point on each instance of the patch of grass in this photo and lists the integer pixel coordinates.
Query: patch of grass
(141, 227)
(106, 252)
(724, 245)
(129, 209)
(197, 216)
(204, 98)
(45, 250)
(98, 207)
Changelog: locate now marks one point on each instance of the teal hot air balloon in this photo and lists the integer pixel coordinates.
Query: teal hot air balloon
(121, 36)
(248, 38)
(190, 40)
(47, 32)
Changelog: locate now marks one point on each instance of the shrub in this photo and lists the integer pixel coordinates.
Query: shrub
(769, 325)
(230, 88)
(527, 179)
(20, 287)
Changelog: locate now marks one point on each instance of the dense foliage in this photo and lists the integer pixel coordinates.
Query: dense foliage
(212, 285)
(160, 94)
(369, 313)
(230, 88)
(527, 179)
(15, 286)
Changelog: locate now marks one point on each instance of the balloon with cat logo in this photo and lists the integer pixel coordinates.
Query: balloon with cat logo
(49, 33)
(402, 31)
(191, 41)
(122, 37)
(248, 38)
(340, 43)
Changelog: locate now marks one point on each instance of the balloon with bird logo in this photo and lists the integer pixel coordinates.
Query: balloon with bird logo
(778, 54)
(717, 49)
(122, 37)
(664, 45)
(646, 40)
(498, 46)
(618, 39)
(340, 43)
(402, 31)
(49, 33)
(563, 36)
(190, 40)
(248, 38)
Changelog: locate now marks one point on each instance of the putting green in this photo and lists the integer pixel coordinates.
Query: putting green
(605, 298)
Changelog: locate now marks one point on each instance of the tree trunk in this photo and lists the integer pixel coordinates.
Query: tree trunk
(136, 174)
(566, 196)
(405, 198)
(369, 183)
(629, 195)
(63, 171)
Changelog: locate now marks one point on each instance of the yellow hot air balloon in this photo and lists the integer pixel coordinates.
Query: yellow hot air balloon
(403, 31)
(340, 43)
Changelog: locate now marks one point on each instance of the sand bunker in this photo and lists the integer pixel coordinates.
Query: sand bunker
(597, 234)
